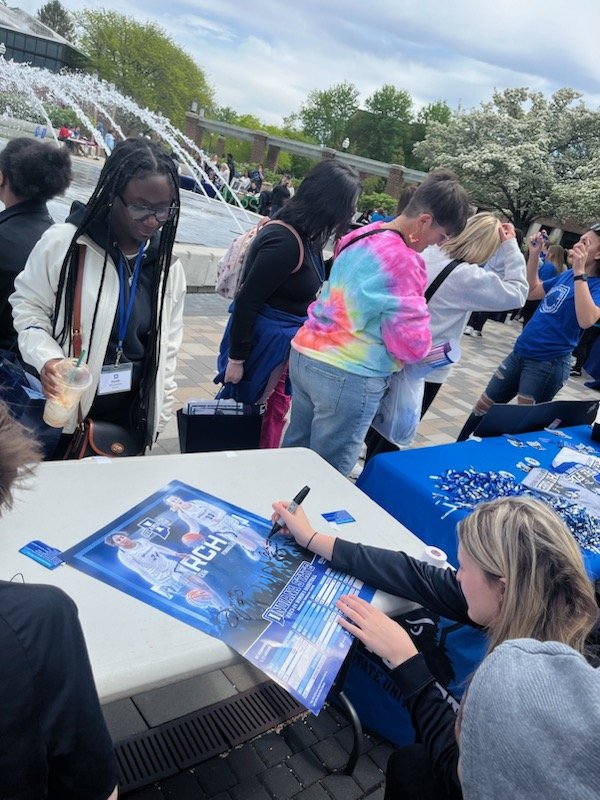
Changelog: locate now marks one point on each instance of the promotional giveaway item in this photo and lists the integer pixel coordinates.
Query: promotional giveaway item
(212, 565)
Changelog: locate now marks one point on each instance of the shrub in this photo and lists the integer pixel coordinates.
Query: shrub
(377, 200)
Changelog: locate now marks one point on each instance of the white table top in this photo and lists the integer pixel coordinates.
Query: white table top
(132, 646)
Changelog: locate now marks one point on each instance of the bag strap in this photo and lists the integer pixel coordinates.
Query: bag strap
(298, 239)
(76, 329)
(261, 226)
(435, 284)
(364, 236)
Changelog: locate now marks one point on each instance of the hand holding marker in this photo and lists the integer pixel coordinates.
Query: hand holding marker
(280, 523)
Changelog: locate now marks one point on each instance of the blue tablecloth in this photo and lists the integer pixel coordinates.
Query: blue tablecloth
(407, 485)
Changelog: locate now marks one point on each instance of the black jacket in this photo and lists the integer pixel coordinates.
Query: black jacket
(438, 590)
(21, 226)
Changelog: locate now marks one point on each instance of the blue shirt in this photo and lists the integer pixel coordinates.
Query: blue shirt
(553, 330)
(546, 271)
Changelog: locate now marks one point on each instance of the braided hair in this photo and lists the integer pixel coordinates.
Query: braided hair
(131, 158)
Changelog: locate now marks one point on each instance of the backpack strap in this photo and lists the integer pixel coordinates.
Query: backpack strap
(298, 239)
(435, 284)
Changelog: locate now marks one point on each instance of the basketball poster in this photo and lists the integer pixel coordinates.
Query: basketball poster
(209, 564)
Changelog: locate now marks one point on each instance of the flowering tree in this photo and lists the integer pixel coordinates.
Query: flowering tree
(524, 155)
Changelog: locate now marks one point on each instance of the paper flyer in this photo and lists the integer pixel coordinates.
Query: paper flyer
(571, 485)
(208, 563)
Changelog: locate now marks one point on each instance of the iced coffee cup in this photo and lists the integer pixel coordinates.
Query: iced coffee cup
(74, 380)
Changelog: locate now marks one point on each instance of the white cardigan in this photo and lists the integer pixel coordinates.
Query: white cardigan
(33, 304)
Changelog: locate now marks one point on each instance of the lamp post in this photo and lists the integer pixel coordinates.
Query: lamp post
(2, 49)
(346, 144)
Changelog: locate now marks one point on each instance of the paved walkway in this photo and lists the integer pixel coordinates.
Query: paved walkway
(296, 760)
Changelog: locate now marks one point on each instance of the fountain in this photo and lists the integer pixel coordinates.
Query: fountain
(203, 220)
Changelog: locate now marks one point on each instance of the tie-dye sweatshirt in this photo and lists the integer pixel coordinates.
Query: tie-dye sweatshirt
(371, 314)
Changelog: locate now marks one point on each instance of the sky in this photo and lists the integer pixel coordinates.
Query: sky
(264, 56)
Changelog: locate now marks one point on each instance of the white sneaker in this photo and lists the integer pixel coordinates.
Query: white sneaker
(356, 471)
(468, 331)
(477, 333)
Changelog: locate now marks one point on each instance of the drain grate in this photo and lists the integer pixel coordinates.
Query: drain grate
(168, 749)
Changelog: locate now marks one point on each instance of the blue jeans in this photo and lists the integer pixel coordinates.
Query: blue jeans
(331, 410)
(517, 375)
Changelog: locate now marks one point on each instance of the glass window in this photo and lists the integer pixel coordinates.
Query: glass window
(52, 49)
(19, 41)
(8, 38)
(40, 47)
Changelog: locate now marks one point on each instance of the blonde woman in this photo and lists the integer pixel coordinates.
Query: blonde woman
(521, 575)
(499, 285)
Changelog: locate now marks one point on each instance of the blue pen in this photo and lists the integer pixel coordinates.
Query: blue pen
(280, 523)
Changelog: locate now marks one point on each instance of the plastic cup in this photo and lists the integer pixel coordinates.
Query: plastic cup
(74, 381)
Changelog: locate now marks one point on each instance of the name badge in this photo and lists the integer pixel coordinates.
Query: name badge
(115, 378)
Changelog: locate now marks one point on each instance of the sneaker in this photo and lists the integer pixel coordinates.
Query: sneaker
(468, 331)
(477, 333)
(575, 372)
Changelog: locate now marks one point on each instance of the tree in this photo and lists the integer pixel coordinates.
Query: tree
(524, 155)
(382, 130)
(55, 16)
(439, 111)
(325, 114)
(142, 62)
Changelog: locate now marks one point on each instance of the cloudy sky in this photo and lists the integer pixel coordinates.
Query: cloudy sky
(264, 56)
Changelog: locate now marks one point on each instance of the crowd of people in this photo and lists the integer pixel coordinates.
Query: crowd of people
(327, 340)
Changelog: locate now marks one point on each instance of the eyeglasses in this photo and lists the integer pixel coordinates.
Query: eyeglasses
(139, 213)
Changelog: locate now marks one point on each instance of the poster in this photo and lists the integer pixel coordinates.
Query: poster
(208, 563)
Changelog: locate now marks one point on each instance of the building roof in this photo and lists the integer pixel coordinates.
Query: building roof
(18, 20)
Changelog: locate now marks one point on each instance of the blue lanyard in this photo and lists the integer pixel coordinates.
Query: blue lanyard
(126, 309)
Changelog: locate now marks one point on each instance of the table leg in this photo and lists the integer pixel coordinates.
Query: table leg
(350, 711)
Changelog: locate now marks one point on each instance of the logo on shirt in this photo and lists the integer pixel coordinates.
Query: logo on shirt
(554, 299)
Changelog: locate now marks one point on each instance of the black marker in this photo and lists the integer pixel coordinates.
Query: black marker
(277, 526)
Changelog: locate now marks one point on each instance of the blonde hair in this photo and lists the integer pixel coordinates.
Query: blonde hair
(477, 242)
(548, 595)
(556, 255)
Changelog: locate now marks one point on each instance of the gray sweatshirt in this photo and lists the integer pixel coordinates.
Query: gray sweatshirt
(501, 284)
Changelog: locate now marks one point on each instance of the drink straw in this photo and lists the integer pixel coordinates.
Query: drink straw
(80, 359)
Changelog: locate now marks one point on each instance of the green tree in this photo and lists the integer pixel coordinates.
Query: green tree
(325, 114)
(382, 130)
(142, 62)
(439, 111)
(524, 155)
(55, 16)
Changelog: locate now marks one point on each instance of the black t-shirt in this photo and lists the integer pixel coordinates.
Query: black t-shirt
(53, 738)
(270, 279)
